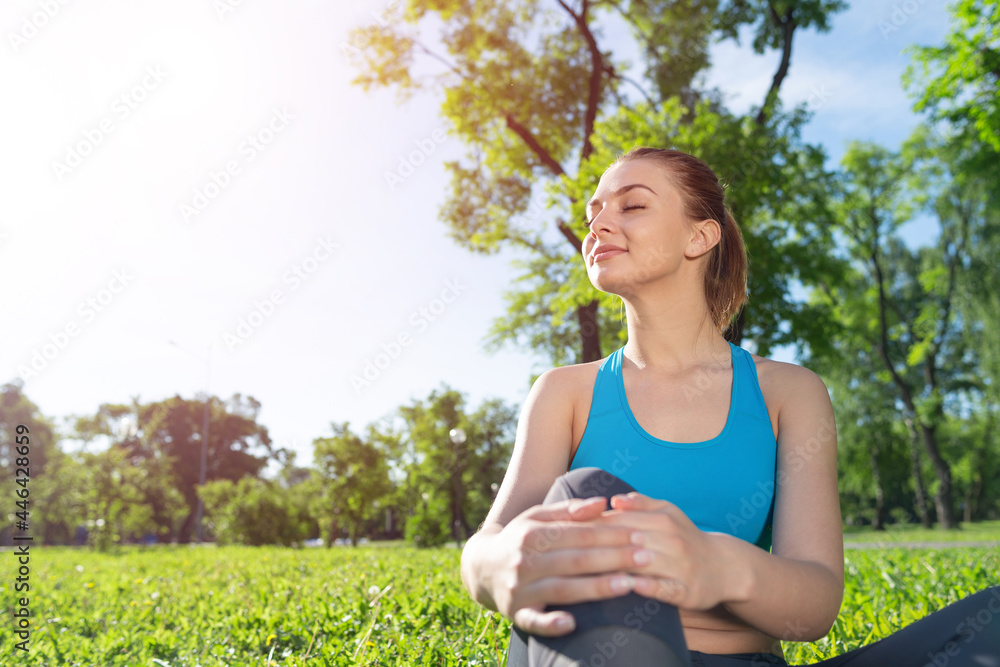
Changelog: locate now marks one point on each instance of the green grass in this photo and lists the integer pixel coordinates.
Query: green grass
(174, 606)
(981, 531)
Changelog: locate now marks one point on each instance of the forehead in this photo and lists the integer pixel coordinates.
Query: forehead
(645, 172)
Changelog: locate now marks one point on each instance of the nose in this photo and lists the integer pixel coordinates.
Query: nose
(602, 223)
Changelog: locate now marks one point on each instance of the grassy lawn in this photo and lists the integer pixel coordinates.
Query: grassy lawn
(173, 606)
(982, 531)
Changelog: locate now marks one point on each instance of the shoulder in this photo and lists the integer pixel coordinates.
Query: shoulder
(784, 384)
(793, 393)
(571, 382)
(543, 446)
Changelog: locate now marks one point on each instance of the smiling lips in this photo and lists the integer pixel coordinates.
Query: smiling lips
(607, 251)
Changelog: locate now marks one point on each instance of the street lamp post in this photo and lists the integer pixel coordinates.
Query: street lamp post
(204, 435)
(457, 436)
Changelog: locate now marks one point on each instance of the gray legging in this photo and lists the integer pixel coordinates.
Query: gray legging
(634, 631)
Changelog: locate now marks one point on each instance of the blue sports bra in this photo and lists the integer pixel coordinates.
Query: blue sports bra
(725, 484)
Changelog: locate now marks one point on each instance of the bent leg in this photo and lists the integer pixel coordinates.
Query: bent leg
(624, 631)
(963, 634)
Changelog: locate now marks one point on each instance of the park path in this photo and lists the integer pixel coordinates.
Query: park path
(918, 545)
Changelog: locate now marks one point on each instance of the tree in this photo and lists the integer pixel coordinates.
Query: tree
(959, 82)
(352, 479)
(255, 512)
(59, 504)
(455, 475)
(906, 311)
(166, 441)
(525, 86)
(16, 409)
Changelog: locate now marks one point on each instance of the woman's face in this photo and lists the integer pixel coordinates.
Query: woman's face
(637, 210)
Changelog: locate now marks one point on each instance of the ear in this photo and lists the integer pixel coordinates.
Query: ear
(705, 235)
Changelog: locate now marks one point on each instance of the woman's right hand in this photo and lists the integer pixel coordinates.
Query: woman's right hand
(551, 554)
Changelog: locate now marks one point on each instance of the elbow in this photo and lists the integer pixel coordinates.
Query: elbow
(826, 621)
(799, 631)
(824, 611)
(465, 565)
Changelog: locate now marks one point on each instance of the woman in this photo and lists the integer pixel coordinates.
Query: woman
(699, 522)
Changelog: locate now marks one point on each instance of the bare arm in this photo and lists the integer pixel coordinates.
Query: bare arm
(794, 593)
(525, 555)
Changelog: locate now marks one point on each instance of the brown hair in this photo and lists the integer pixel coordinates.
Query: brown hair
(704, 199)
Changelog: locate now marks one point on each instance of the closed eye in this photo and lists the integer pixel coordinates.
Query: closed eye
(630, 207)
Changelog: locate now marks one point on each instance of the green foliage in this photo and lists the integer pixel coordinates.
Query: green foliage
(254, 512)
(451, 482)
(959, 81)
(17, 409)
(428, 527)
(352, 477)
(391, 607)
(122, 497)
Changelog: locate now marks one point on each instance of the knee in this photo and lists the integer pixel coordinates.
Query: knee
(587, 483)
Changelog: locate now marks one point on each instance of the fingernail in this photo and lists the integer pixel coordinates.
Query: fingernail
(564, 623)
(637, 538)
(642, 557)
(622, 584)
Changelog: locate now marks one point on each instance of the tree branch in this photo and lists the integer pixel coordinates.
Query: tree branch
(570, 236)
(787, 24)
(597, 67)
(610, 70)
(543, 155)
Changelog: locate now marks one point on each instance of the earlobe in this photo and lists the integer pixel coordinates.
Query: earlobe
(705, 235)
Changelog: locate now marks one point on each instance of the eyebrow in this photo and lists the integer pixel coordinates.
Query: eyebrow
(620, 191)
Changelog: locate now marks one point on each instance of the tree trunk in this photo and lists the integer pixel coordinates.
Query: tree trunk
(920, 496)
(975, 492)
(332, 535)
(943, 498)
(590, 332)
(187, 528)
(878, 521)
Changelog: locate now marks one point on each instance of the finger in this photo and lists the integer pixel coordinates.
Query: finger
(637, 501)
(671, 591)
(569, 590)
(545, 624)
(572, 535)
(572, 509)
(578, 562)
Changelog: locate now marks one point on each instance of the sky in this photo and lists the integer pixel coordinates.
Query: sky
(195, 197)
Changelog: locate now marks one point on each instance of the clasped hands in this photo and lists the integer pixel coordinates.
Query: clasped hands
(577, 550)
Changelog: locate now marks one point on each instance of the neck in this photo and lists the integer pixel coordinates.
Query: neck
(670, 329)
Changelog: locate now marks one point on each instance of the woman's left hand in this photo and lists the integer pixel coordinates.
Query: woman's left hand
(676, 562)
